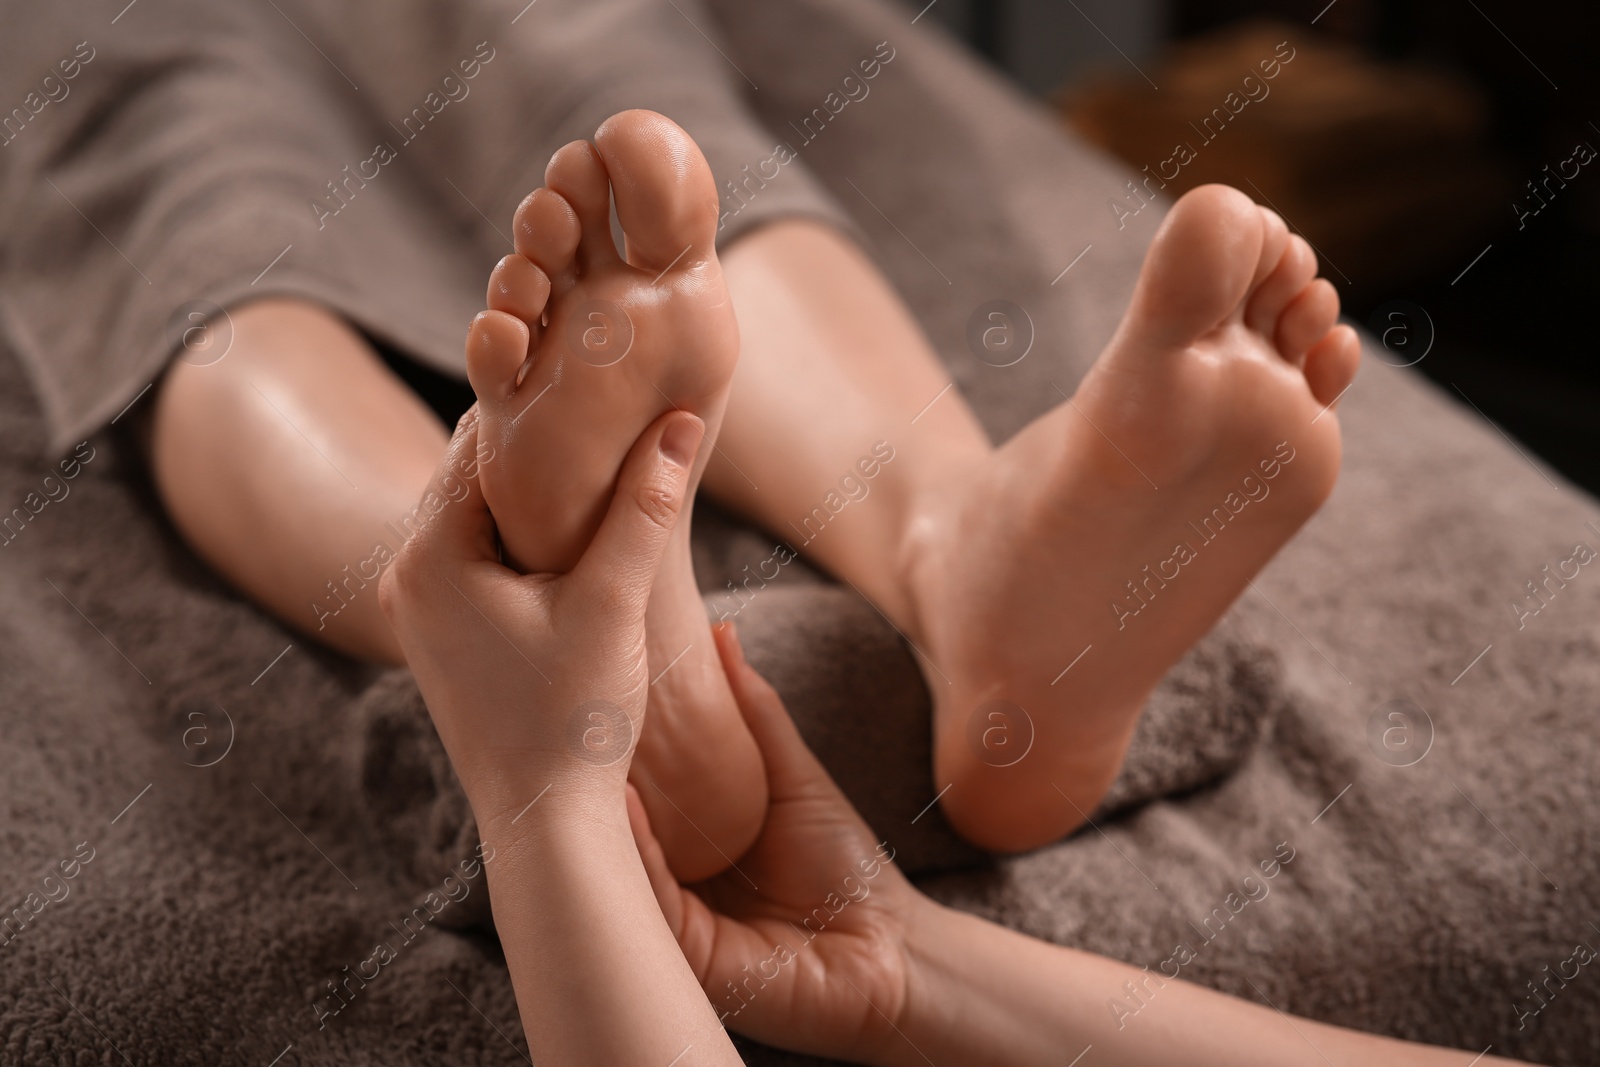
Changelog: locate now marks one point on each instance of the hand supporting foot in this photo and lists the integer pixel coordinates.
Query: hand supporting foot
(581, 348)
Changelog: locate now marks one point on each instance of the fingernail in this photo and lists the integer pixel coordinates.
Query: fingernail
(681, 440)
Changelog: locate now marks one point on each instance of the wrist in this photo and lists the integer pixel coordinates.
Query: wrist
(930, 998)
(577, 756)
(511, 808)
(568, 844)
(580, 771)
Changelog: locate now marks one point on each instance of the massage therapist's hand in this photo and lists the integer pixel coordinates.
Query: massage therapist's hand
(536, 680)
(801, 944)
(537, 685)
(815, 943)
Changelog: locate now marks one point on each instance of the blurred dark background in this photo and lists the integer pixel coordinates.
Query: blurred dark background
(1439, 154)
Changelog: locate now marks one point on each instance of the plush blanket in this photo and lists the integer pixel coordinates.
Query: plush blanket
(208, 822)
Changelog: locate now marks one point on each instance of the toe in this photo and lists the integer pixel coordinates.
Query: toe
(519, 288)
(546, 231)
(1293, 272)
(1307, 319)
(666, 196)
(1274, 242)
(579, 175)
(1331, 364)
(497, 346)
(1199, 266)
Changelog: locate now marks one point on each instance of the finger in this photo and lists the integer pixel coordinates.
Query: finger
(451, 520)
(669, 895)
(791, 768)
(620, 565)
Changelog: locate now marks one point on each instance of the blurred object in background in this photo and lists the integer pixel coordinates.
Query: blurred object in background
(1045, 44)
(1347, 148)
(1410, 140)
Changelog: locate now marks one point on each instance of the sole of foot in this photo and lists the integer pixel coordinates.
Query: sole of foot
(1063, 575)
(582, 347)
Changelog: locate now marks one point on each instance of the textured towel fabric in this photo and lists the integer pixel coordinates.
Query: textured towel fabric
(368, 156)
(259, 814)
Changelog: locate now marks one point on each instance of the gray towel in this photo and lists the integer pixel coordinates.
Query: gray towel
(229, 886)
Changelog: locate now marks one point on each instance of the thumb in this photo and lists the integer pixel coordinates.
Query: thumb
(793, 771)
(620, 564)
(455, 520)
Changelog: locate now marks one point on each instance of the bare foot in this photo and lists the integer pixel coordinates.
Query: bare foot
(580, 351)
(1061, 576)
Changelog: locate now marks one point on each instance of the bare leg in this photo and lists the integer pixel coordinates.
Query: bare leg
(832, 363)
(292, 464)
(267, 465)
(1002, 565)
(266, 461)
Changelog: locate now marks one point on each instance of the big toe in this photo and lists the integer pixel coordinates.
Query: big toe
(666, 197)
(1200, 265)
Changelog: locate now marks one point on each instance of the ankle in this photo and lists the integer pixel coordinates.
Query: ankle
(927, 536)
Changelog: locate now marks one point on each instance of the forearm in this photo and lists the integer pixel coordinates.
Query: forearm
(983, 994)
(598, 975)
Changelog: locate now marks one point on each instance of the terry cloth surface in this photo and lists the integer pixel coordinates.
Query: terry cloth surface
(368, 156)
(225, 891)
